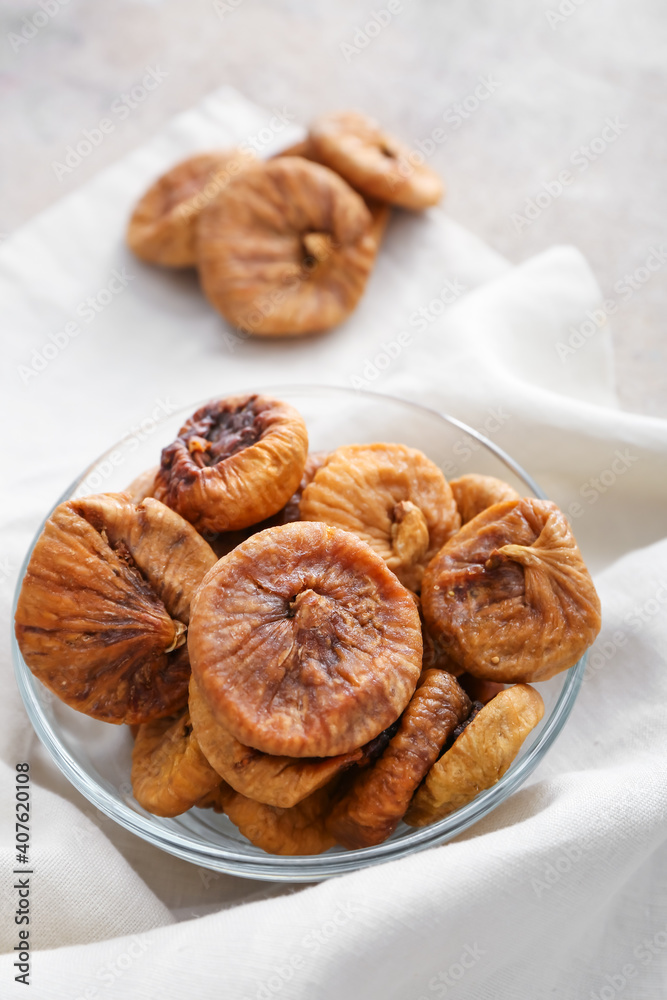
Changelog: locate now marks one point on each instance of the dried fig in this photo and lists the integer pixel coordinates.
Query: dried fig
(234, 462)
(169, 771)
(373, 161)
(474, 493)
(376, 798)
(303, 643)
(276, 781)
(286, 248)
(479, 757)
(143, 486)
(295, 831)
(163, 226)
(391, 496)
(509, 596)
(104, 606)
(478, 689)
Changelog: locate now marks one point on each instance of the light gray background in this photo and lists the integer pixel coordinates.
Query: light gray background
(555, 80)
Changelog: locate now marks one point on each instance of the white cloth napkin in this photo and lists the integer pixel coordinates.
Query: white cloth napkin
(562, 891)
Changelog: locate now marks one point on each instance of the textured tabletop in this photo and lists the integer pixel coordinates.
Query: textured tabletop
(548, 120)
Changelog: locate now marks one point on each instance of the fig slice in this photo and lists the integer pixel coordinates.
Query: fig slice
(479, 756)
(105, 601)
(169, 771)
(391, 496)
(163, 226)
(297, 831)
(235, 462)
(303, 643)
(509, 597)
(376, 798)
(276, 781)
(474, 493)
(286, 248)
(372, 161)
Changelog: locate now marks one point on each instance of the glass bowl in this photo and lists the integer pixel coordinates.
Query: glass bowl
(96, 756)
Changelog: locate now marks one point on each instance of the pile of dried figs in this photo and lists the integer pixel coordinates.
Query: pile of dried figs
(284, 246)
(319, 645)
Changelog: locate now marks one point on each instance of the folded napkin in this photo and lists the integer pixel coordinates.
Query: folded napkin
(561, 890)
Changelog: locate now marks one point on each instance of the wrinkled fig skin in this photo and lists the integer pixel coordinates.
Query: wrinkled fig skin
(474, 493)
(163, 226)
(479, 757)
(143, 486)
(286, 249)
(169, 771)
(103, 607)
(372, 161)
(235, 462)
(377, 798)
(391, 496)
(276, 781)
(303, 643)
(171, 555)
(509, 597)
(297, 831)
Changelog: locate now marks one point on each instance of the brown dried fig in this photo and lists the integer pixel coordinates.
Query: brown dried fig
(474, 493)
(478, 689)
(286, 248)
(276, 781)
(235, 462)
(163, 226)
(303, 643)
(509, 596)
(479, 757)
(104, 606)
(169, 771)
(391, 496)
(376, 798)
(373, 161)
(296, 831)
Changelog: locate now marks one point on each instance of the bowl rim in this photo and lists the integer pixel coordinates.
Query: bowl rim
(298, 868)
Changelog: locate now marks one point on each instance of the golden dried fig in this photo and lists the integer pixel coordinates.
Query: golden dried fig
(286, 248)
(235, 462)
(376, 798)
(169, 771)
(373, 161)
(163, 226)
(143, 486)
(296, 831)
(276, 781)
(474, 493)
(391, 496)
(104, 606)
(479, 757)
(509, 596)
(303, 643)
